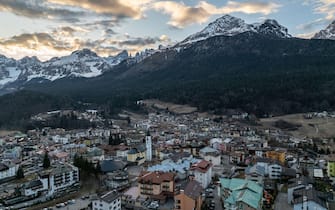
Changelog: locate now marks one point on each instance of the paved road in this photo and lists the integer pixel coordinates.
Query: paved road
(217, 199)
(281, 202)
(76, 206)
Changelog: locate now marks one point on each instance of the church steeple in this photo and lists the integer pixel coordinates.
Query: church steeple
(148, 144)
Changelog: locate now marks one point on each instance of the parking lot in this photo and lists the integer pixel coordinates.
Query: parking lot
(212, 198)
(77, 205)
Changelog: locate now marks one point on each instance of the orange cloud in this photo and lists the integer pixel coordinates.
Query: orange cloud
(122, 8)
(182, 15)
(326, 7)
(47, 45)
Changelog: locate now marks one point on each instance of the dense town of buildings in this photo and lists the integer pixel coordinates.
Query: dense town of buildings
(164, 161)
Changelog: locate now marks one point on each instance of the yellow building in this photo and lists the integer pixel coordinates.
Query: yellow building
(189, 197)
(276, 155)
(136, 154)
(331, 168)
(156, 185)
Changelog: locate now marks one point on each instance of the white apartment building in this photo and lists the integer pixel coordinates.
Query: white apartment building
(8, 170)
(202, 172)
(57, 179)
(108, 201)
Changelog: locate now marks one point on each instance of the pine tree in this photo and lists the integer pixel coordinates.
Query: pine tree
(98, 168)
(20, 173)
(328, 151)
(46, 160)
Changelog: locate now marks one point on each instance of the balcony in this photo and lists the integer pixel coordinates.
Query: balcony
(146, 188)
(58, 180)
(146, 193)
(120, 177)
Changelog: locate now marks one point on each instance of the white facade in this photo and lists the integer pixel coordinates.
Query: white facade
(202, 172)
(148, 145)
(259, 153)
(60, 139)
(109, 201)
(60, 178)
(203, 178)
(211, 155)
(308, 204)
(14, 153)
(215, 143)
(122, 153)
(98, 132)
(54, 180)
(36, 189)
(8, 171)
(275, 171)
(215, 160)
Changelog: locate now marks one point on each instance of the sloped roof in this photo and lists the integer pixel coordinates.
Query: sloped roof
(208, 150)
(137, 149)
(175, 156)
(132, 151)
(111, 165)
(193, 189)
(310, 194)
(3, 167)
(242, 190)
(170, 165)
(109, 197)
(202, 166)
(289, 172)
(156, 177)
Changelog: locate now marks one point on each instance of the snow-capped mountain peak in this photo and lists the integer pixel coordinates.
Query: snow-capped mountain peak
(271, 27)
(84, 53)
(328, 33)
(228, 25)
(115, 60)
(80, 63)
(29, 60)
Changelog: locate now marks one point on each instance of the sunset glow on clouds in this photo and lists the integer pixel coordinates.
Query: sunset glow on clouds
(48, 28)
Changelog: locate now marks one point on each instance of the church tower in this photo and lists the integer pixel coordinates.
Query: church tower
(148, 145)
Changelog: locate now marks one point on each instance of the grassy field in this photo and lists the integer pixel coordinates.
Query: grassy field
(315, 127)
(7, 132)
(175, 108)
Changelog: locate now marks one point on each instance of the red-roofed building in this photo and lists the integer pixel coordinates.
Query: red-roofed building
(189, 196)
(156, 185)
(202, 172)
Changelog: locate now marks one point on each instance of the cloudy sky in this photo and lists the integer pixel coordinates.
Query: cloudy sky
(48, 28)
